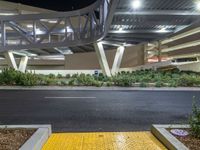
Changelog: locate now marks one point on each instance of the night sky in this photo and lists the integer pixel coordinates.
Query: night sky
(57, 5)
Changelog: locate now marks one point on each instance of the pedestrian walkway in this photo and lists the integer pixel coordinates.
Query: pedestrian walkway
(103, 141)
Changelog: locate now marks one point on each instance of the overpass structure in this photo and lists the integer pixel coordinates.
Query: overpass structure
(156, 30)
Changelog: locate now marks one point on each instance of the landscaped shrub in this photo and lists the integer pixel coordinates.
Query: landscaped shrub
(143, 84)
(173, 83)
(189, 81)
(195, 120)
(59, 76)
(48, 81)
(11, 77)
(86, 80)
(159, 84)
(123, 80)
(71, 82)
(68, 76)
(143, 78)
(8, 76)
(26, 79)
(52, 76)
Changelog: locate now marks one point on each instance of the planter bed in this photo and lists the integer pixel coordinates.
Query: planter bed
(13, 139)
(190, 142)
(23, 137)
(173, 142)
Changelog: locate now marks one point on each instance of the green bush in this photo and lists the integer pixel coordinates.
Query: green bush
(172, 78)
(189, 81)
(68, 76)
(52, 76)
(9, 76)
(123, 80)
(143, 84)
(159, 84)
(71, 82)
(86, 80)
(26, 79)
(195, 120)
(59, 76)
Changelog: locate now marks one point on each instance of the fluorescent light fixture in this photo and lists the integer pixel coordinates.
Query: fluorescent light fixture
(38, 31)
(7, 14)
(120, 29)
(52, 21)
(136, 4)
(162, 30)
(198, 5)
(49, 21)
(29, 26)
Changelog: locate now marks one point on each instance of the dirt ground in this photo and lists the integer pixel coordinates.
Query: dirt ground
(13, 139)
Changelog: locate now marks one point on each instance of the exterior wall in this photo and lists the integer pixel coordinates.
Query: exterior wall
(133, 56)
(83, 62)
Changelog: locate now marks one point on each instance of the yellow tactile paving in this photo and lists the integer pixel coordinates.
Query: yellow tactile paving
(103, 141)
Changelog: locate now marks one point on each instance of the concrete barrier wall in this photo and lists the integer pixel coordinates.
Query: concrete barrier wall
(192, 67)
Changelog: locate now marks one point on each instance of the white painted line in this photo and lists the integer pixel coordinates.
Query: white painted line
(69, 97)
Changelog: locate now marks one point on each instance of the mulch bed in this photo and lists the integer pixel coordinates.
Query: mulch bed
(189, 141)
(13, 139)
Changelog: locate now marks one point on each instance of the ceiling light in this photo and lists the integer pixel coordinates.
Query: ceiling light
(29, 26)
(120, 29)
(52, 21)
(136, 4)
(198, 5)
(7, 14)
(163, 30)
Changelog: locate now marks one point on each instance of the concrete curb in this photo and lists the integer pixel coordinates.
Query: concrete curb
(98, 88)
(38, 139)
(170, 141)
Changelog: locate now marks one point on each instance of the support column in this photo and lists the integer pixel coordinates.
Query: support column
(23, 63)
(10, 60)
(145, 53)
(117, 60)
(159, 52)
(102, 58)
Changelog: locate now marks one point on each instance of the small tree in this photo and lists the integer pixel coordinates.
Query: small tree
(195, 119)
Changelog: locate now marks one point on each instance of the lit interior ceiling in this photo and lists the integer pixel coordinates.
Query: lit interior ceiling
(136, 21)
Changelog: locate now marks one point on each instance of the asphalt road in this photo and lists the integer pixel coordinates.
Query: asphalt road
(75, 111)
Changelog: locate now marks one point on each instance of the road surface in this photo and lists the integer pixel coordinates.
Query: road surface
(80, 111)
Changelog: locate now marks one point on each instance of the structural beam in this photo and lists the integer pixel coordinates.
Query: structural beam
(180, 36)
(159, 13)
(140, 31)
(9, 55)
(10, 59)
(102, 58)
(23, 63)
(117, 60)
(76, 28)
(182, 46)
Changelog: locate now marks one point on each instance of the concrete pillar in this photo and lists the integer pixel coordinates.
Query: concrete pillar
(12, 62)
(159, 52)
(102, 58)
(145, 54)
(23, 63)
(10, 59)
(118, 59)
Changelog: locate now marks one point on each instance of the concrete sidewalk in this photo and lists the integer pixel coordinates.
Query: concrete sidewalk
(99, 88)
